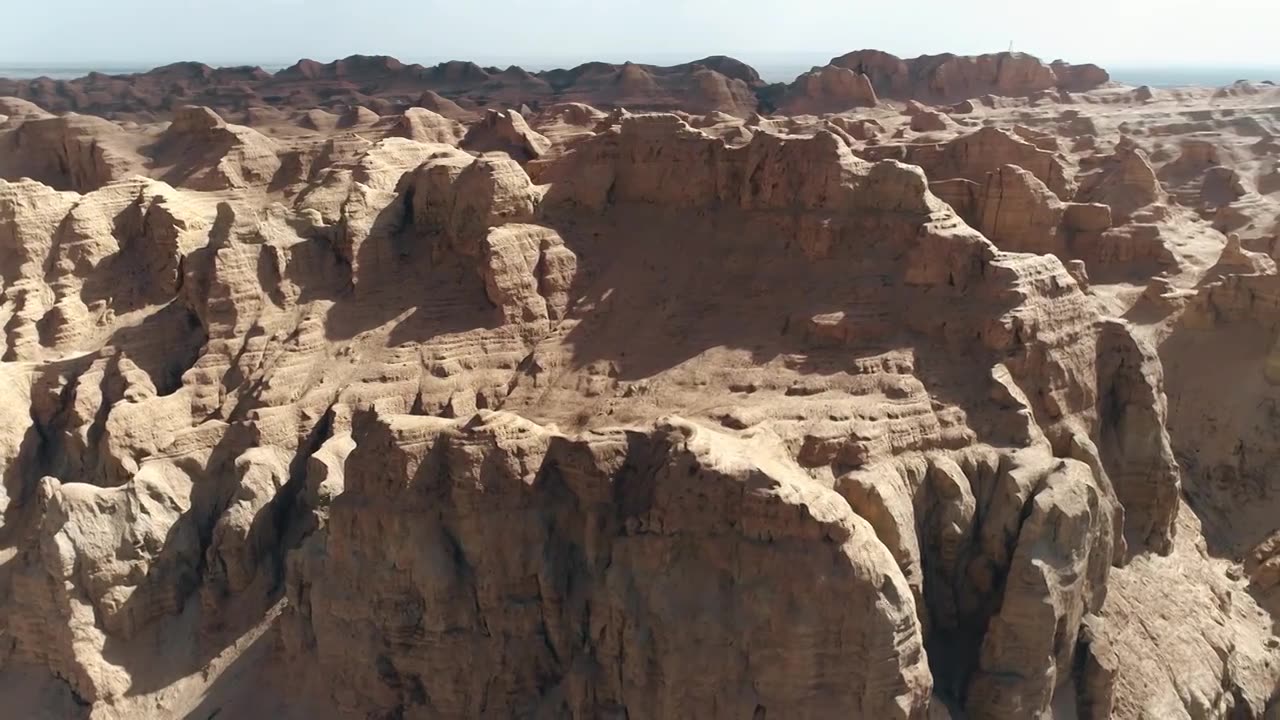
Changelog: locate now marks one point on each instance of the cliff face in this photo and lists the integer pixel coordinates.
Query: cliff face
(588, 415)
(568, 566)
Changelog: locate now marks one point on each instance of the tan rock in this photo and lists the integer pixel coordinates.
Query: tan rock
(425, 126)
(246, 531)
(563, 428)
(319, 120)
(859, 128)
(203, 152)
(961, 195)
(829, 89)
(73, 152)
(1057, 577)
(1043, 140)
(1019, 213)
(1235, 259)
(974, 155)
(441, 105)
(1135, 445)
(929, 121)
(659, 529)
(506, 131)
(1125, 181)
(511, 258)
(949, 78)
(358, 116)
(18, 110)
(1087, 217)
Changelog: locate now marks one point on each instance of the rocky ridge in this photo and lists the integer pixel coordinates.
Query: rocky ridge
(460, 89)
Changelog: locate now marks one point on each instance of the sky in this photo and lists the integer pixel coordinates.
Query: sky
(544, 33)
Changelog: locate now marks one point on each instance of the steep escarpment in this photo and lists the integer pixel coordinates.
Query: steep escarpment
(569, 413)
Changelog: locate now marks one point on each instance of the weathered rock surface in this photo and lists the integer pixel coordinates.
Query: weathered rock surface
(441, 413)
(559, 600)
(829, 89)
(1123, 180)
(974, 155)
(950, 78)
(453, 89)
(457, 89)
(506, 131)
(421, 125)
(441, 105)
(203, 152)
(1018, 212)
(73, 152)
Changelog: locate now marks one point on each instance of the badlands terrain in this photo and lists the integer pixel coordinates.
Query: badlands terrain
(930, 388)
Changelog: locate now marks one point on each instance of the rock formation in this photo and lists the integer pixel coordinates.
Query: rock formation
(974, 155)
(506, 131)
(422, 125)
(1124, 181)
(73, 152)
(450, 411)
(829, 89)
(204, 152)
(929, 121)
(441, 105)
(452, 89)
(457, 89)
(951, 78)
(1018, 212)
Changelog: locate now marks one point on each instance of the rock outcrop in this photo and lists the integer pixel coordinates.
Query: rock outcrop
(973, 156)
(73, 152)
(17, 110)
(1079, 78)
(929, 121)
(828, 89)
(441, 105)
(1018, 212)
(576, 595)
(951, 78)
(204, 152)
(506, 131)
(1124, 180)
(421, 125)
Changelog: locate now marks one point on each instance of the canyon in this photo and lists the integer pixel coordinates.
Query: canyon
(931, 388)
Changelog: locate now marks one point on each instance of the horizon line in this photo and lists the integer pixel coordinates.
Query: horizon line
(796, 56)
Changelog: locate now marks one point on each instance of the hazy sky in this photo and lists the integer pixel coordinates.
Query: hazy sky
(541, 32)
